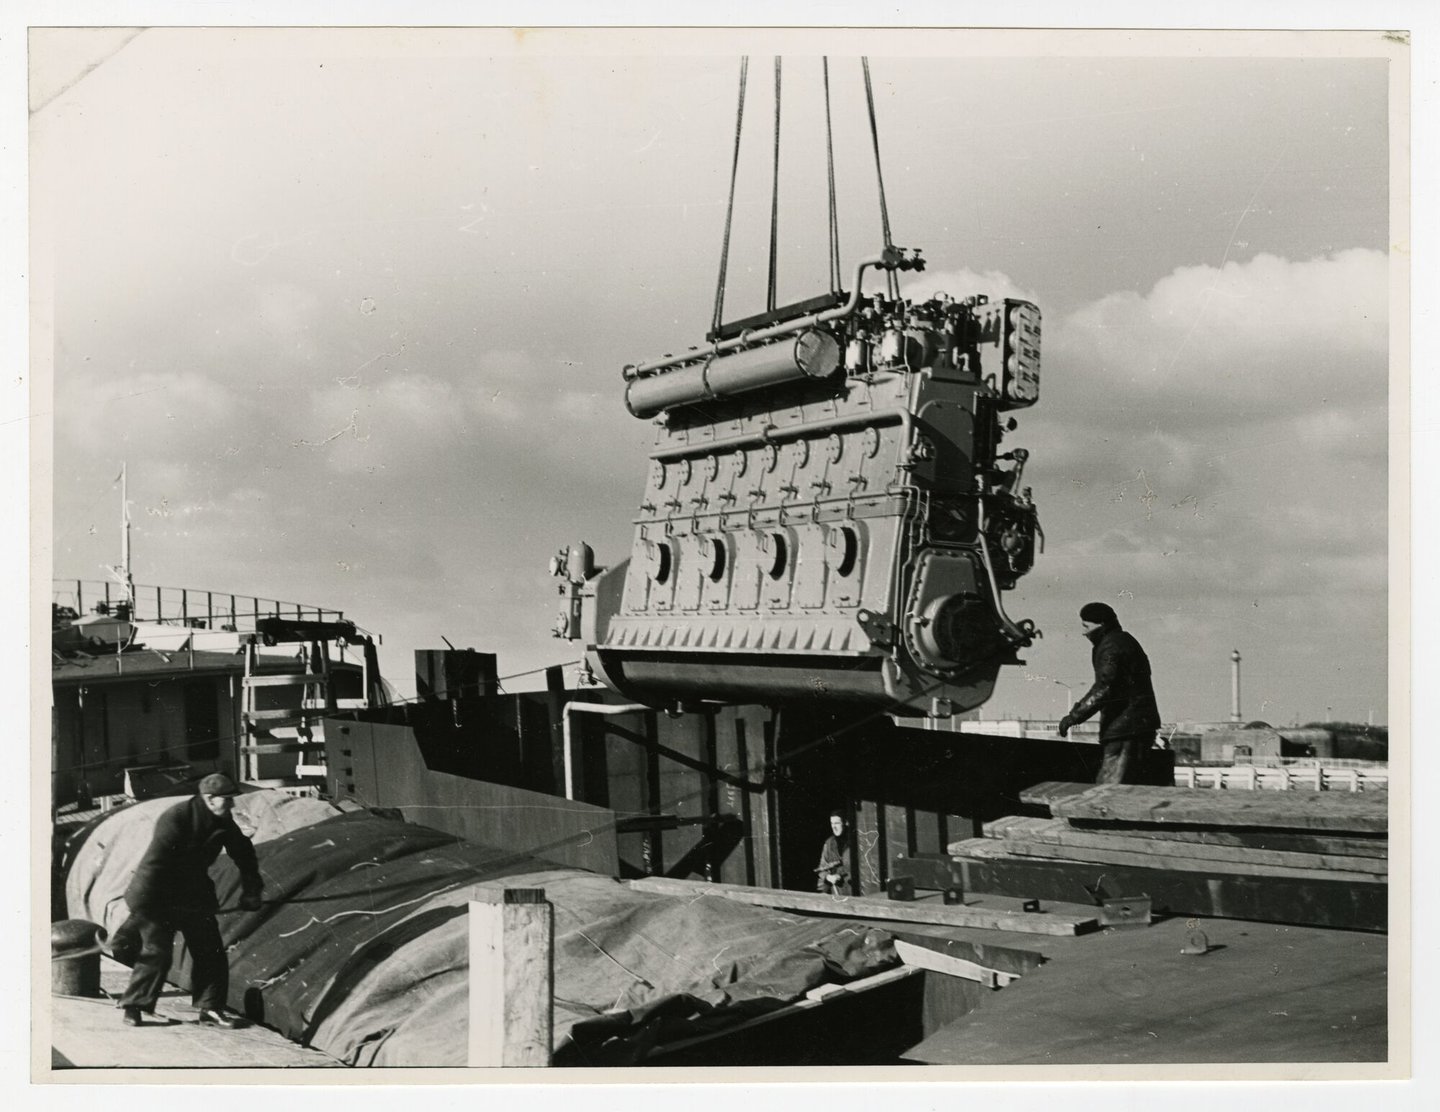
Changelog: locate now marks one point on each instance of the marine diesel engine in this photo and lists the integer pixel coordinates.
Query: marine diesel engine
(828, 512)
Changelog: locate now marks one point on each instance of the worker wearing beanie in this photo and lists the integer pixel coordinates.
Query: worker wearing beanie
(1122, 693)
(171, 891)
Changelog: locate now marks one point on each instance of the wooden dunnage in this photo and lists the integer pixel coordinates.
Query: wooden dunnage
(1297, 841)
(1347, 812)
(1315, 899)
(866, 907)
(926, 957)
(1057, 838)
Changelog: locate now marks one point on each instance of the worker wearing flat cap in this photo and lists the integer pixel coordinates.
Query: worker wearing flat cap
(172, 891)
(1122, 694)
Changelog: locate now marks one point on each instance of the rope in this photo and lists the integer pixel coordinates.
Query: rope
(730, 204)
(774, 196)
(891, 281)
(830, 169)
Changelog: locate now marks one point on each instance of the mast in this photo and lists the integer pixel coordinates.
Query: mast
(126, 576)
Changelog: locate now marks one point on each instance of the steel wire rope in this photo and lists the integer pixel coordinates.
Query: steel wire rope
(730, 204)
(892, 283)
(774, 198)
(830, 173)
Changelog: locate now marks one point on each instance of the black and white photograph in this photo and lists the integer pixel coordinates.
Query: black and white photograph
(671, 552)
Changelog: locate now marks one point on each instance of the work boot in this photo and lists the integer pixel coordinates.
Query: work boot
(132, 1017)
(216, 1017)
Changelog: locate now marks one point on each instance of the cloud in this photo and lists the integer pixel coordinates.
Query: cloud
(1231, 344)
(405, 342)
(175, 414)
(962, 283)
(1211, 457)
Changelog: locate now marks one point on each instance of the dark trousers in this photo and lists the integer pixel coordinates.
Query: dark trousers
(154, 929)
(1120, 759)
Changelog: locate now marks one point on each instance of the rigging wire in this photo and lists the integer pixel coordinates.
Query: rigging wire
(774, 197)
(730, 204)
(891, 281)
(830, 172)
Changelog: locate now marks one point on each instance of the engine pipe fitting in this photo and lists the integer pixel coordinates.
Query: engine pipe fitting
(812, 354)
(892, 258)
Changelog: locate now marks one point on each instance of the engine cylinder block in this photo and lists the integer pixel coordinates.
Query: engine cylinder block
(827, 513)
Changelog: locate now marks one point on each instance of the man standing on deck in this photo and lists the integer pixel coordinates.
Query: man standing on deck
(172, 891)
(832, 875)
(1122, 693)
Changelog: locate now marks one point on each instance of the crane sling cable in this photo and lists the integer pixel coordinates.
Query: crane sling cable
(730, 204)
(830, 173)
(717, 317)
(891, 281)
(774, 197)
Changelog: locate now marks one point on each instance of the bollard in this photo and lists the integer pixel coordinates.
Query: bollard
(75, 957)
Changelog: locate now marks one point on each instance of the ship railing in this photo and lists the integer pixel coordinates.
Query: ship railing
(185, 607)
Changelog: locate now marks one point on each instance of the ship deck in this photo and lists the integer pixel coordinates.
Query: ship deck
(87, 1034)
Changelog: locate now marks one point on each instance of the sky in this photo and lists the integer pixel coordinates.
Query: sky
(352, 308)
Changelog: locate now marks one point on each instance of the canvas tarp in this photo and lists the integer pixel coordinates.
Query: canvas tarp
(361, 947)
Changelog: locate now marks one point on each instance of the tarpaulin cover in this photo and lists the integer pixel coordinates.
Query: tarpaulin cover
(103, 861)
(361, 947)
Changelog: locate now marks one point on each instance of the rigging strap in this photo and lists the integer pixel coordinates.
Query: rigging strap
(830, 172)
(891, 281)
(774, 197)
(730, 204)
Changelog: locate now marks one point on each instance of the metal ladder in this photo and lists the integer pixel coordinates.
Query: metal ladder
(296, 728)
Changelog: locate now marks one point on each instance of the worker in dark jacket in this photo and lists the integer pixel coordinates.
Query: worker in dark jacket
(172, 891)
(1122, 693)
(833, 873)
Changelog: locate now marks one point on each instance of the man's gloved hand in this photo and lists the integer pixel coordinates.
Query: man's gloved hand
(250, 901)
(1065, 723)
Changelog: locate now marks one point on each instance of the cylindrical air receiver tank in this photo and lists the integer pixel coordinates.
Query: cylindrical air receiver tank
(810, 354)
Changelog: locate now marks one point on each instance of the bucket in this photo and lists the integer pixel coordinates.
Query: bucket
(75, 957)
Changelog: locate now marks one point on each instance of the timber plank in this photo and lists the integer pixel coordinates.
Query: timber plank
(1142, 860)
(925, 957)
(1053, 791)
(1001, 958)
(1300, 841)
(867, 907)
(1349, 812)
(1320, 902)
(1088, 845)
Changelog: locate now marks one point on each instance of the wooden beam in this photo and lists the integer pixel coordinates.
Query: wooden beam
(1299, 841)
(1053, 791)
(1350, 812)
(1324, 902)
(1132, 848)
(512, 974)
(867, 907)
(1003, 957)
(924, 958)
